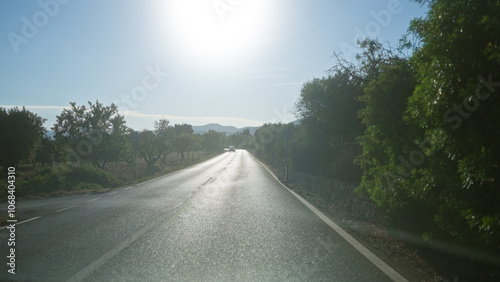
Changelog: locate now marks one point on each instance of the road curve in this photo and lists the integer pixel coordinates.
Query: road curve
(226, 219)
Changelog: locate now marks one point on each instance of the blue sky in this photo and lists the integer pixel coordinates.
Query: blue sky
(233, 62)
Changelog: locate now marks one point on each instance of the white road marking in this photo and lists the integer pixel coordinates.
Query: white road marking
(127, 188)
(65, 209)
(207, 182)
(112, 193)
(28, 220)
(93, 200)
(163, 220)
(380, 264)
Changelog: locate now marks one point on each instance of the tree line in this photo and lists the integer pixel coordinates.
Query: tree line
(97, 135)
(416, 125)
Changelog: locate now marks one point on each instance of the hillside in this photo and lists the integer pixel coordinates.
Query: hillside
(229, 130)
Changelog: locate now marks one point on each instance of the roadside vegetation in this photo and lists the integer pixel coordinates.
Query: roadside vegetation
(414, 126)
(93, 150)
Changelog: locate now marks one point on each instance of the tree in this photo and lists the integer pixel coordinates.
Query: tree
(20, 131)
(389, 139)
(268, 144)
(328, 110)
(457, 105)
(183, 139)
(46, 152)
(183, 128)
(183, 143)
(213, 141)
(246, 132)
(237, 139)
(195, 145)
(95, 134)
(155, 145)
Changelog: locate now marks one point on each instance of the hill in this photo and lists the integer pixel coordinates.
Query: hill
(229, 130)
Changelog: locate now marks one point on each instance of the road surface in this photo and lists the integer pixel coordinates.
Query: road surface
(226, 219)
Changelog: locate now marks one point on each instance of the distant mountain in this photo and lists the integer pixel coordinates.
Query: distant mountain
(229, 130)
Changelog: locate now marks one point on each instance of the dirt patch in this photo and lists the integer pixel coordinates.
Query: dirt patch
(123, 171)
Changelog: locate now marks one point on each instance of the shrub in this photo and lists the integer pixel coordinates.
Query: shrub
(69, 178)
(90, 175)
(44, 181)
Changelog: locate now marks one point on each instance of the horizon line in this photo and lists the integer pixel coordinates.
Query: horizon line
(128, 114)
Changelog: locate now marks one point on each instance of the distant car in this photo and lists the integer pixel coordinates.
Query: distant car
(232, 149)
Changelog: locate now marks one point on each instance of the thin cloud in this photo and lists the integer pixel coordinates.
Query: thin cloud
(265, 73)
(288, 84)
(238, 122)
(140, 119)
(35, 107)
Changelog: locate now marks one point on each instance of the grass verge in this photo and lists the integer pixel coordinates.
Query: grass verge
(35, 183)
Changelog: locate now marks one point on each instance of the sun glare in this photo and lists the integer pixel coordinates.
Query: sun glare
(218, 31)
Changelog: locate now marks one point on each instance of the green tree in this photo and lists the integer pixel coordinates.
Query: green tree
(328, 110)
(151, 148)
(456, 103)
(96, 134)
(270, 142)
(46, 151)
(155, 145)
(238, 139)
(183, 143)
(183, 139)
(183, 128)
(20, 131)
(246, 132)
(391, 153)
(213, 141)
(195, 145)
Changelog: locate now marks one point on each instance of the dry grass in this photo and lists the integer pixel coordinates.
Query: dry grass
(123, 171)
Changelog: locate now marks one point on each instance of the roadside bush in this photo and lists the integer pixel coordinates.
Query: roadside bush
(64, 178)
(90, 175)
(3, 188)
(44, 181)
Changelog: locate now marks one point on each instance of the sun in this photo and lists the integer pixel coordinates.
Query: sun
(217, 31)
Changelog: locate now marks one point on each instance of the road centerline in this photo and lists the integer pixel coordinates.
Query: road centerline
(66, 208)
(27, 220)
(93, 200)
(163, 220)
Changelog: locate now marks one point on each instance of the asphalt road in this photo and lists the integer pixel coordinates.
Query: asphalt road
(226, 219)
